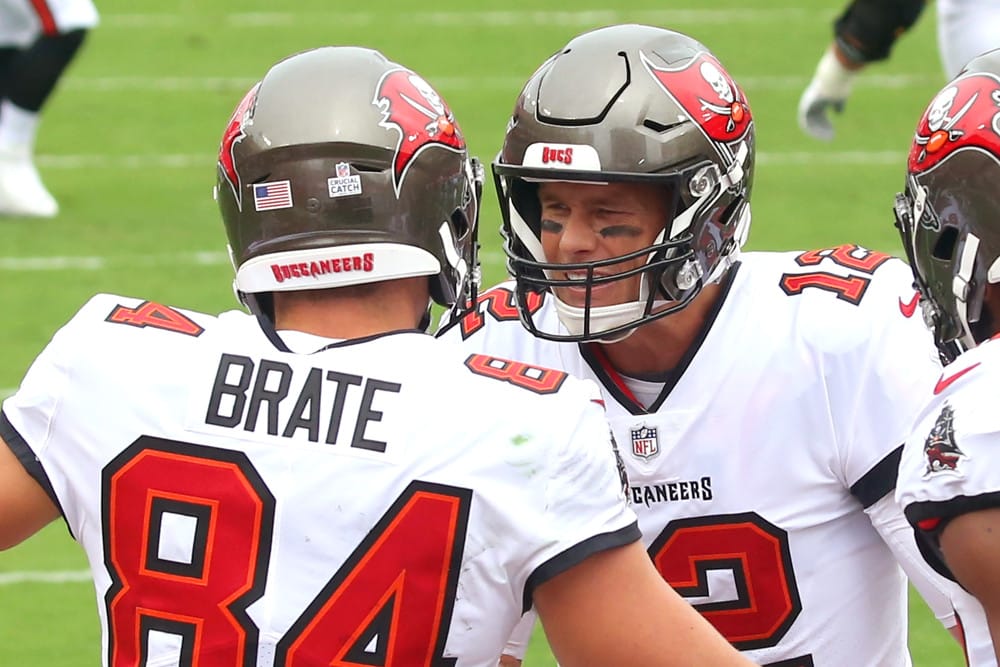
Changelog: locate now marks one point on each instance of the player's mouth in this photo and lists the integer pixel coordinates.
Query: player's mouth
(601, 293)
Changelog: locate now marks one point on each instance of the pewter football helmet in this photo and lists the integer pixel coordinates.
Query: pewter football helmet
(638, 104)
(341, 167)
(949, 213)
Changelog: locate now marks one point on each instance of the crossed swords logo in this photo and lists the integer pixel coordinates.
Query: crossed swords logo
(439, 121)
(732, 109)
(942, 126)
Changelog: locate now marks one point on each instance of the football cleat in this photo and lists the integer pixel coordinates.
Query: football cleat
(21, 190)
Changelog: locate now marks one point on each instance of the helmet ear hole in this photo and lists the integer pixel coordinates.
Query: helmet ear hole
(460, 224)
(944, 248)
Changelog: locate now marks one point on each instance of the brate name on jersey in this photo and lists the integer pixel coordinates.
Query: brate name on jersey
(669, 492)
(267, 398)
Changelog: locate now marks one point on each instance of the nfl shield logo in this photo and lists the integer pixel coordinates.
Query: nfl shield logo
(644, 442)
(343, 170)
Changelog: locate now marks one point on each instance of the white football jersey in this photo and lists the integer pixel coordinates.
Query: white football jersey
(951, 462)
(391, 501)
(751, 470)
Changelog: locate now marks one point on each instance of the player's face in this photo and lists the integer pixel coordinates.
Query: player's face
(584, 222)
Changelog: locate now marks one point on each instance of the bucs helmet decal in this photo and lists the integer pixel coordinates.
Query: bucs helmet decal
(954, 120)
(242, 116)
(415, 110)
(708, 94)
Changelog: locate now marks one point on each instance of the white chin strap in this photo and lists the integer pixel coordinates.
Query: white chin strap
(603, 318)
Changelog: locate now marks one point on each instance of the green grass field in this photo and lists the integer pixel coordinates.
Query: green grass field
(128, 147)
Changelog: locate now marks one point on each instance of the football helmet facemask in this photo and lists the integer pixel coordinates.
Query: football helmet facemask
(340, 168)
(948, 214)
(629, 103)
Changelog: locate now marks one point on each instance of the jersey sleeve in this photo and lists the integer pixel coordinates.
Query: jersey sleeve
(27, 420)
(585, 509)
(89, 363)
(878, 379)
(949, 465)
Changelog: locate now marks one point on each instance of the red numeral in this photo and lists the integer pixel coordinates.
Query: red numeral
(407, 568)
(203, 600)
(533, 378)
(500, 304)
(755, 552)
(155, 315)
(848, 256)
(847, 288)
(395, 592)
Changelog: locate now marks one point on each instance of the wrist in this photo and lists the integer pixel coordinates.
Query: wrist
(833, 80)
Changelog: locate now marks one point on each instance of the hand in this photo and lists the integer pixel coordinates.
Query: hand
(827, 92)
(814, 112)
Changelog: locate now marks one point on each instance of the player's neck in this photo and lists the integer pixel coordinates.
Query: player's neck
(659, 346)
(348, 313)
(345, 325)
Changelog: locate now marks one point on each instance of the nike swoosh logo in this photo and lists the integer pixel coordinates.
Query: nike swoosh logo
(943, 383)
(909, 308)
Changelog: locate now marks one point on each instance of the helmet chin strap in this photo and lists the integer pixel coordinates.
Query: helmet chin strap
(426, 320)
(606, 318)
(603, 318)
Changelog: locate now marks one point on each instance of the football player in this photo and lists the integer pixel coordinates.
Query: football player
(38, 40)
(759, 402)
(266, 489)
(866, 32)
(949, 219)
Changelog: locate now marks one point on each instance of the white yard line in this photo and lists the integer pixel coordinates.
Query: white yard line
(860, 158)
(68, 576)
(84, 263)
(488, 18)
(107, 161)
(51, 263)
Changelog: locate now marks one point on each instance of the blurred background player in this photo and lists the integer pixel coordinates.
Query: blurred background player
(38, 40)
(257, 489)
(949, 219)
(761, 399)
(866, 32)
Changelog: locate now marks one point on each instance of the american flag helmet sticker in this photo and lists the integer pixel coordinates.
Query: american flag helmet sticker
(271, 196)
